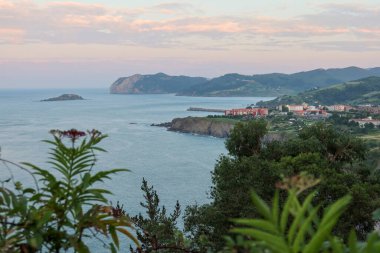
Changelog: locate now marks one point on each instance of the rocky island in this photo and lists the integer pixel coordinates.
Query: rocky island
(64, 97)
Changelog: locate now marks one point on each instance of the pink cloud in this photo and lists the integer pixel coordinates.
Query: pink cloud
(372, 31)
(77, 8)
(76, 20)
(81, 23)
(6, 4)
(187, 26)
(11, 35)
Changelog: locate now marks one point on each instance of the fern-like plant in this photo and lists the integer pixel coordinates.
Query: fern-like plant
(67, 205)
(296, 226)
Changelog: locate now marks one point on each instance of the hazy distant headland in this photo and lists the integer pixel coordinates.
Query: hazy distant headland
(274, 84)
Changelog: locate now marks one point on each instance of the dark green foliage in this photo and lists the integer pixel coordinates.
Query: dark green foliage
(201, 224)
(336, 147)
(297, 226)
(246, 138)
(157, 231)
(67, 204)
(321, 150)
(233, 179)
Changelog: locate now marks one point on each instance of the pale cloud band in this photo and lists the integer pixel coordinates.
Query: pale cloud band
(95, 43)
(176, 24)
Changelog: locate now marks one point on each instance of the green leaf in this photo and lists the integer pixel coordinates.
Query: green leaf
(275, 208)
(260, 224)
(274, 242)
(352, 242)
(261, 206)
(112, 247)
(328, 222)
(300, 217)
(129, 235)
(82, 248)
(115, 238)
(301, 234)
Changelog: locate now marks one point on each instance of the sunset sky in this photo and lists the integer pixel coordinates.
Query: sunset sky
(91, 43)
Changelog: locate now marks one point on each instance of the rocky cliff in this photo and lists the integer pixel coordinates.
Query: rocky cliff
(216, 127)
(199, 125)
(153, 84)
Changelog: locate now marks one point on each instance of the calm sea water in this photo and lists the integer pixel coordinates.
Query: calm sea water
(178, 165)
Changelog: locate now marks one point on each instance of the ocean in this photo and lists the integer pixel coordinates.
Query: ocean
(177, 165)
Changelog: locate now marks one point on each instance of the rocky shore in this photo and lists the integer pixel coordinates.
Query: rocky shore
(212, 127)
(199, 125)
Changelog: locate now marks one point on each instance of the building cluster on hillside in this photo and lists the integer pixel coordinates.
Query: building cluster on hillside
(304, 110)
(368, 108)
(369, 120)
(339, 108)
(262, 112)
(323, 111)
(309, 111)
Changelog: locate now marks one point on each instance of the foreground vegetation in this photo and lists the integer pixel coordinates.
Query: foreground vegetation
(315, 192)
(65, 207)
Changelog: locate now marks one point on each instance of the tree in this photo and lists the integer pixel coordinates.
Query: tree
(157, 231)
(246, 138)
(321, 150)
(337, 146)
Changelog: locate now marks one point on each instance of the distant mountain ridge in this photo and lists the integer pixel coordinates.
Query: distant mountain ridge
(274, 84)
(362, 91)
(277, 84)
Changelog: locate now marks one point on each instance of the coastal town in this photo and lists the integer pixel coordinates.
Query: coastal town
(370, 113)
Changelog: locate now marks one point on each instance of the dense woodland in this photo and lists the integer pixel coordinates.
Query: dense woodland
(318, 191)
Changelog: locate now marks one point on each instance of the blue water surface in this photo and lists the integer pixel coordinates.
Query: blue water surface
(178, 165)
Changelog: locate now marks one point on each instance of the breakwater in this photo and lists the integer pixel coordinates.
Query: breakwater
(199, 109)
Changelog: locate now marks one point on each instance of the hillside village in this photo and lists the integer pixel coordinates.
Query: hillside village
(370, 115)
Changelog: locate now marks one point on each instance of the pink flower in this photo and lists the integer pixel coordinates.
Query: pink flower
(73, 134)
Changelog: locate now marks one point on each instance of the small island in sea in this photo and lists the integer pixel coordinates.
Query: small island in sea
(64, 97)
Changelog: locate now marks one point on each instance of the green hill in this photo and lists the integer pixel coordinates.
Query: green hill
(265, 85)
(153, 84)
(362, 91)
(276, 84)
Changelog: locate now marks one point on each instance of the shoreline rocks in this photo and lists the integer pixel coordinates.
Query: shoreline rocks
(199, 125)
(211, 127)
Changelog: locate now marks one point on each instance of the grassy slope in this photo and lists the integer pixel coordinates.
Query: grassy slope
(362, 91)
(276, 84)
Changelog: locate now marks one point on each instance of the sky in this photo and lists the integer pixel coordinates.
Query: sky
(79, 44)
